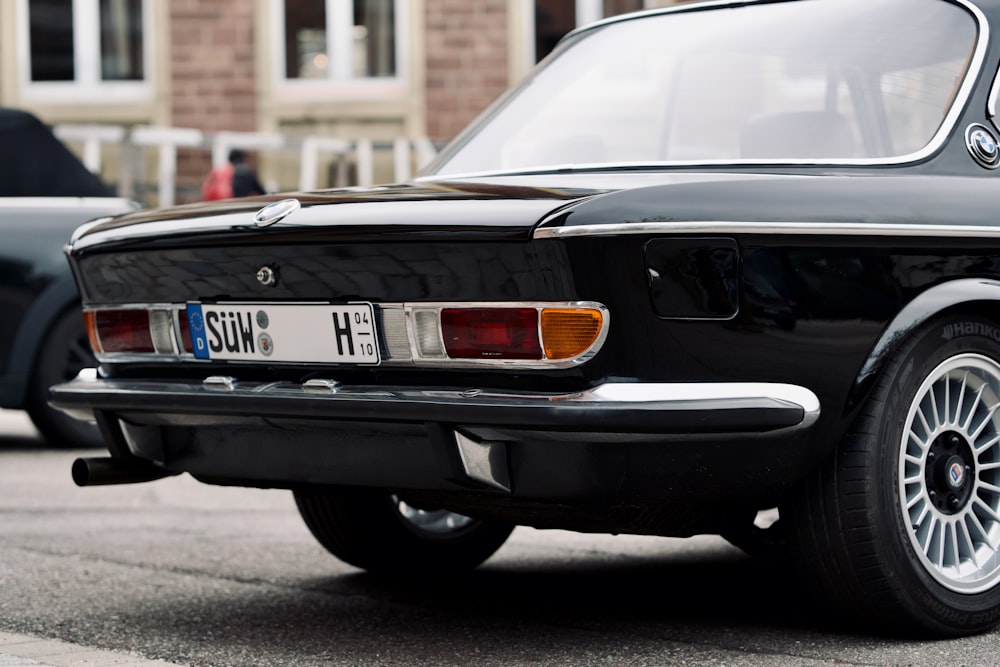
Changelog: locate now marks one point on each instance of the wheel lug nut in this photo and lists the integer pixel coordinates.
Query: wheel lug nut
(933, 494)
(954, 441)
(930, 456)
(953, 503)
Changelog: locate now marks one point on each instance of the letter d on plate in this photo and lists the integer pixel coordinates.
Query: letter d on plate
(196, 325)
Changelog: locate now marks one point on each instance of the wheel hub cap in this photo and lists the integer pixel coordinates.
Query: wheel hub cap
(949, 473)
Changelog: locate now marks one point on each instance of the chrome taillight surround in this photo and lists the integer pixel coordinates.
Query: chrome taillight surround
(410, 334)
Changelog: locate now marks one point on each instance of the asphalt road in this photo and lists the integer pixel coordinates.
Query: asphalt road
(197, 575)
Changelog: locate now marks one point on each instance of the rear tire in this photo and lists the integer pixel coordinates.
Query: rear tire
(374, 530)
(902, 525)
(63, 354)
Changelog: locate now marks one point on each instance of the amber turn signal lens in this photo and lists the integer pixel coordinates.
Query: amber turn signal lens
(569, 332)
(90, 323)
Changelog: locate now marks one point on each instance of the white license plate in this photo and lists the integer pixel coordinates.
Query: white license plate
(295, 333)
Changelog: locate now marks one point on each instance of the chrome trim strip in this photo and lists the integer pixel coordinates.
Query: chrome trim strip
(707, 392)
(791, 228)
(991, 103)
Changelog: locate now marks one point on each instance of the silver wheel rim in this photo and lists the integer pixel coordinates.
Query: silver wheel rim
(441, 523)
(949, 473)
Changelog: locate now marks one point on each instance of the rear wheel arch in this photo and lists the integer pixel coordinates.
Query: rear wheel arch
(973, 296)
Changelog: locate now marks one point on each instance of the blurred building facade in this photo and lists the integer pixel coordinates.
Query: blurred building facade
(377, 69)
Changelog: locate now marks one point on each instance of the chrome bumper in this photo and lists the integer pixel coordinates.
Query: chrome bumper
(660, 408)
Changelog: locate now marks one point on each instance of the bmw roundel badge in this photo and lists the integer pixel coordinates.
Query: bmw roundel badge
(276, 211)
(983, 145)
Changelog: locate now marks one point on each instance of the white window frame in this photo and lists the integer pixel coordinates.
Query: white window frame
(87, 85)
(340, 82)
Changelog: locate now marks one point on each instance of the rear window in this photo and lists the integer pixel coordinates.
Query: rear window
(813, 80)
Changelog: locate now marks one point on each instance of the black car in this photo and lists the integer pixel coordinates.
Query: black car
(45, 193)
(704, 262)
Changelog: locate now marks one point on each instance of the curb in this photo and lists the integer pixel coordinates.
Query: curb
(27, 651)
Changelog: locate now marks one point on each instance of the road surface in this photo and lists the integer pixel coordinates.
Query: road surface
(191, 574)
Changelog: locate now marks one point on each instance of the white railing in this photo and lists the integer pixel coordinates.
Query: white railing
(167, 140)
(92, 137)
(314, 152)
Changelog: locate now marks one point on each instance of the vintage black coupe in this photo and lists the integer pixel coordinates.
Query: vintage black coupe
(703, 262)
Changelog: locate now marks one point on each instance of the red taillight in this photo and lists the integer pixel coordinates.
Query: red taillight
(119, 330)
(491, 333)
(185, 328)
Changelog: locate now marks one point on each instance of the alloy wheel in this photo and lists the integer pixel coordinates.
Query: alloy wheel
(949, 473)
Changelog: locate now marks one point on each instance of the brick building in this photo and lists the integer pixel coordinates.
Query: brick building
(378, 69)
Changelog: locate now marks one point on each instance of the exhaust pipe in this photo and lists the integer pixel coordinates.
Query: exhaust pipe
(99, 471)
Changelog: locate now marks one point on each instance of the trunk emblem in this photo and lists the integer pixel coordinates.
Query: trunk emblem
(275, 211)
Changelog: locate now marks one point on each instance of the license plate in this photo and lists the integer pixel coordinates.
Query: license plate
(294, 333)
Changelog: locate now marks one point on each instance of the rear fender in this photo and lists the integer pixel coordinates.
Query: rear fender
(927, 305)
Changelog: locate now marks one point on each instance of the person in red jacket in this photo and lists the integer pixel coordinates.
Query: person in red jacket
(236, 178)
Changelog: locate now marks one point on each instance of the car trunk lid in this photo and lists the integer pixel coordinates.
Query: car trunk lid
(415, 212)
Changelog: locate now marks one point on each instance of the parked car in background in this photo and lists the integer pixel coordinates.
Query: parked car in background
(45, 193)
(704, 262)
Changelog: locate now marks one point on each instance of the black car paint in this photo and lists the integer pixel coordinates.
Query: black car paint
(838, 304)
(804, 301)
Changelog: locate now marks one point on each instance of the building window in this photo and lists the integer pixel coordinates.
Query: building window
(88, 48)
(51, 37)
(342, 40)
(121, 40)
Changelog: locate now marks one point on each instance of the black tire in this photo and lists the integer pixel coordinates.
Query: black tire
(368, 529)
(899, 545)
(63, 353)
